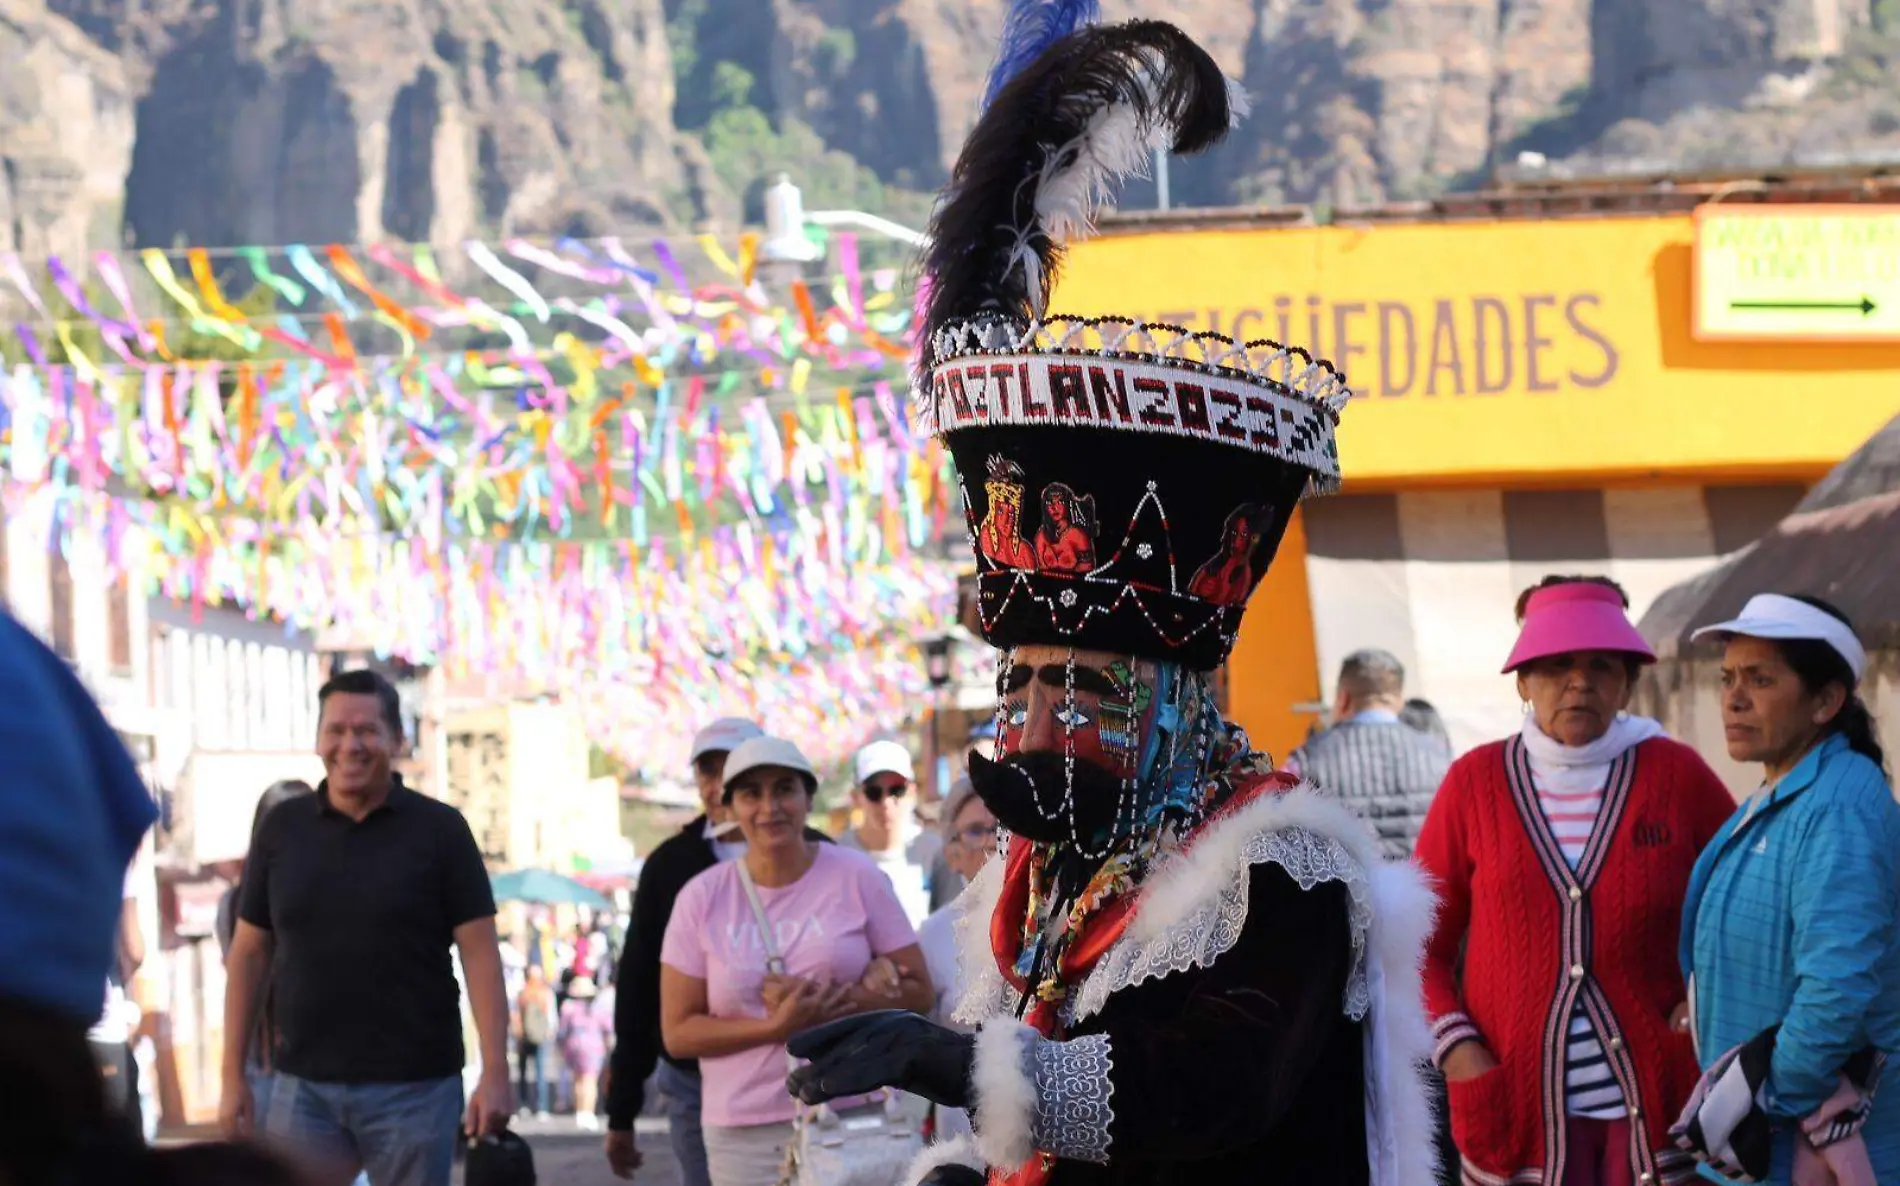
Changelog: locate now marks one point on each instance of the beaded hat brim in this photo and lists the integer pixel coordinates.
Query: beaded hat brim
(1118, 374)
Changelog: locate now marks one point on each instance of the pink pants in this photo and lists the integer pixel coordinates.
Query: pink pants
(1599, 1152)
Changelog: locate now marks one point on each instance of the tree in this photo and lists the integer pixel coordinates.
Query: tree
(731, 87)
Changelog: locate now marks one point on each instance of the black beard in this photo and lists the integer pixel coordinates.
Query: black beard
(1025, 792)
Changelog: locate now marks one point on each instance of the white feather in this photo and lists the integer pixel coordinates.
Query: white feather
(1400, 1124)
(1239, 105)
(1079, 178)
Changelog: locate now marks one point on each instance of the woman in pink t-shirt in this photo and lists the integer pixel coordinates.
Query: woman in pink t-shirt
(832, 914)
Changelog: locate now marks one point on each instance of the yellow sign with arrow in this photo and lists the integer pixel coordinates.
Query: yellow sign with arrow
(1797, 273)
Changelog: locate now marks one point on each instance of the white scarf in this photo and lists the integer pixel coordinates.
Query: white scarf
(1573, 769)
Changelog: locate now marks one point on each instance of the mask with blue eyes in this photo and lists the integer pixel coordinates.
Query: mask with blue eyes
(1122, 750)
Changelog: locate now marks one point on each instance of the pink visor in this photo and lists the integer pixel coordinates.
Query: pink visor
(1576, 616)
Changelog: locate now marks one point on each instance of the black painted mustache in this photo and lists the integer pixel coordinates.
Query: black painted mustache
(1024, 790)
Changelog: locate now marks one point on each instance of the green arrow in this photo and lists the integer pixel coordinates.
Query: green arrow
(1864, 304)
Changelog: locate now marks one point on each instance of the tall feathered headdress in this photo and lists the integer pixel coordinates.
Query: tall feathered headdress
(1158, 438)
(1088, 108)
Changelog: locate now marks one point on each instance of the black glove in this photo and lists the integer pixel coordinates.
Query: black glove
(890, 1048)
(953, 1175)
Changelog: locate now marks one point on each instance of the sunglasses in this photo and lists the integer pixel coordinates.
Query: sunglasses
(875, 793)
(977, 835)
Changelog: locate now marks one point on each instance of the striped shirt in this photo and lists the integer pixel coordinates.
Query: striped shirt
(1382, 768)
(1590, 1088)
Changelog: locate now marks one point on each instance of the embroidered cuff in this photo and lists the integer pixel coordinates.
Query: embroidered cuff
(1073, 1098)
(1447, 1032)
(1003, 1079)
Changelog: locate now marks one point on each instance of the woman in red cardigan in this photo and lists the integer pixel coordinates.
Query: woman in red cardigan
(1561, 856)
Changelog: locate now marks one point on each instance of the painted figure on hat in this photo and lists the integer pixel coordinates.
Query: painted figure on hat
(1228, 578)
(1000, 537)
(1066, 540)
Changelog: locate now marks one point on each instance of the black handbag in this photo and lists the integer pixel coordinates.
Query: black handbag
(499, 1159)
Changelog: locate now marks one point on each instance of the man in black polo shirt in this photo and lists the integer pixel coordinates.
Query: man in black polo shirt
(351, 900)
(637, 1050)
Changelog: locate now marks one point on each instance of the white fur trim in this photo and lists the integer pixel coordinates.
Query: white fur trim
(984, 993)
(1004, 1109)
(1218, 852)
(1400, 1129)
(1193, 906)
(959, 1150)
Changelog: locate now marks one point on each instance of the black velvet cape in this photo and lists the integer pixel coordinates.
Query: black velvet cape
(1245, 1071)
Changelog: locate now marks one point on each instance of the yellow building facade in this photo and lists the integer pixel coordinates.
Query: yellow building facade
(519, 772)
(1530, 399)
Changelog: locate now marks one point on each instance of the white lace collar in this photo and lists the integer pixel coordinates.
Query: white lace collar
(1193, 906)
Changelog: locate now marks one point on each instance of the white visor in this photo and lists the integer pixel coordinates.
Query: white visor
(1771, 615)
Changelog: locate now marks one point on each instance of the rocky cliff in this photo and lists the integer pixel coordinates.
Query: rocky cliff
(1365, 101)
(66, 132)
(222, 121)
(337, 120)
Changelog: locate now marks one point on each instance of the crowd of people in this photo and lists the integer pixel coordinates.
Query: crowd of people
(1616, 939)
(1132, 952)
(751, 925)
(1615, 936)
(1629, 974)
(561, 994)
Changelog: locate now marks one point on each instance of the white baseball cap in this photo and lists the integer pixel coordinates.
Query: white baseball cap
(768, 751)
(1771, 615)
(884, 757)
(726, 734)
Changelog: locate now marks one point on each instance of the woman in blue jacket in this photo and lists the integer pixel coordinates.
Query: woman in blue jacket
(1790, 919)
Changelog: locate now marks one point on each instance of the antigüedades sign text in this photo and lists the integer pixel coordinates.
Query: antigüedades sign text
(1533, 343)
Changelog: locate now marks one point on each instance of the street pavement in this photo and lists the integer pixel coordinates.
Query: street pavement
(567, 1156)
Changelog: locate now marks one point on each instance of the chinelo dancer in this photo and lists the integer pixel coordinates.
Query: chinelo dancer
(1183, 966)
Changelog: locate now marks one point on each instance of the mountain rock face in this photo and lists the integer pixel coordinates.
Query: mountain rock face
(1359, 102)
(1366, 101)
(1362, 101)
(229, 121)
(265, 121)
(66, 129)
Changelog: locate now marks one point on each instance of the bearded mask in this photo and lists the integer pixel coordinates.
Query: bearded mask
(1091, 747)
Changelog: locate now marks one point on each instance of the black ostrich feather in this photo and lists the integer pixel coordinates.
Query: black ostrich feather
(1088, 112)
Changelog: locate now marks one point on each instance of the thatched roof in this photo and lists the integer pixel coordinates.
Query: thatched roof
(1872, 469)
(1842, 543)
